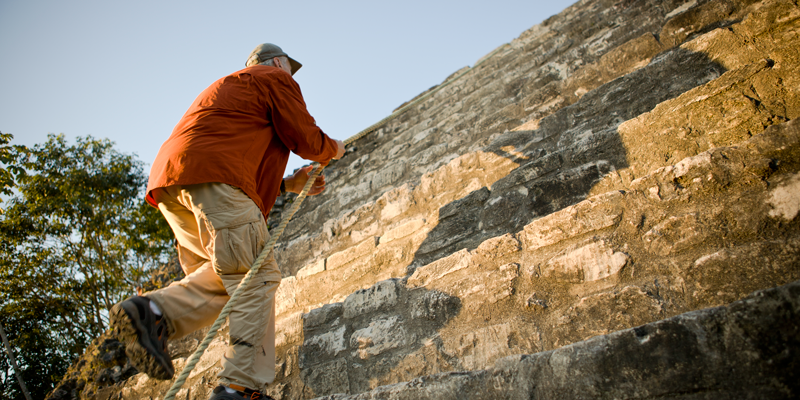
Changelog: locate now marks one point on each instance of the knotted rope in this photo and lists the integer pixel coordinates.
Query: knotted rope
(195, 357)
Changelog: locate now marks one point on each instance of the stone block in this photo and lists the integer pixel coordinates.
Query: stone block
(359, 162)
(395, 202)
(593, 214)
(311, 269)
(331, 377)
(777, 141)
(323, 315)
(626, 58)
(768, 17)
(439, 184)
(289, 330)
(389, 175)
(297, 253)
(500, 246)
(434, 305)
(381, 335)
(682, 25)
(435, 271)
(507, 209)
(422, 135)
(349, 255)
(357, 274)
(529, 171)
(397, 150)
(286, 295)
(429, 155)
(371, 230)
(473, 283)
(480, 348)
(728, 274)
(473, 201)
(674, 234)
(606, 312)
(402, 231)
(586, 264)
(495, 285)
(325, 345)
(459, 221)
(630, 56)
(347, 194)
(450, 235)
(393, 258)
(727, 48)
(382, 295)
(700, 161)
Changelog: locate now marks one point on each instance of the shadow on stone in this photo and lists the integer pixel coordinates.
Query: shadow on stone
(350, 346)
(562, 161)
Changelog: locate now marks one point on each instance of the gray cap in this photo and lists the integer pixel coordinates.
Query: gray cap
(266, 51)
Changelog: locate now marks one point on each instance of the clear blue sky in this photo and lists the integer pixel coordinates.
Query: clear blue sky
(127, 70)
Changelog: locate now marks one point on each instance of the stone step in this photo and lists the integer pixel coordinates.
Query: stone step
(749, 349)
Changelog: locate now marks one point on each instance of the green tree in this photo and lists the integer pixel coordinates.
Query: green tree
(76, 237)
(9, 164)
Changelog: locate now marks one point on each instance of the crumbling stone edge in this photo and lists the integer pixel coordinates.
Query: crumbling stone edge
(747, 349)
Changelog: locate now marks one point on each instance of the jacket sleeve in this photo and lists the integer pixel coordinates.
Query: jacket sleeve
(293, 124)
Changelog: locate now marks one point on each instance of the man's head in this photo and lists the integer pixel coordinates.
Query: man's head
(270, 54)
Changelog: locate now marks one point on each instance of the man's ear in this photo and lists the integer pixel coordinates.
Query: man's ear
(276, 61)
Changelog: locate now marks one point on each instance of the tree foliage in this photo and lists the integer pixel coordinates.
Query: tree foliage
(9, 164)
(76, 237)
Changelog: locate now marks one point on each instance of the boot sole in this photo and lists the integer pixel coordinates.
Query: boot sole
(126, 326)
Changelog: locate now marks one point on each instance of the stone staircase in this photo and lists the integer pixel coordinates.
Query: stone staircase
(748, 350)
(579, 216)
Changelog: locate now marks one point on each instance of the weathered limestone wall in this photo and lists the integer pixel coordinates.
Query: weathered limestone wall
(498, 251)
(547, 68)
(622, 163)
(754, 341)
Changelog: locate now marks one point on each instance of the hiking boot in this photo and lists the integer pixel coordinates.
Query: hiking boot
(145, 335)
(221, 393)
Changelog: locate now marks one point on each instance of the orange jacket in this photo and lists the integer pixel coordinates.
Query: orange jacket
(239, 131)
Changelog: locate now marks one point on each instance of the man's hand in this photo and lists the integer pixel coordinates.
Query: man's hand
(340, 152)
(296, 182)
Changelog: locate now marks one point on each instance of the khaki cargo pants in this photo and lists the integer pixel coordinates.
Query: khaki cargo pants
(220, 233)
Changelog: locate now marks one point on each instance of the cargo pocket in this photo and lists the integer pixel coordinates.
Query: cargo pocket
(236, 238)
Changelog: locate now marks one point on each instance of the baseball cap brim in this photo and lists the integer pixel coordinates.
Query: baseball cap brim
(294, 64)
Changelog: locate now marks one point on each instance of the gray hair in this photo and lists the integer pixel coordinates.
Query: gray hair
(270, 61)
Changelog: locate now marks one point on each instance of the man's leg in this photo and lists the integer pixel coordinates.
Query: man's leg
(232, 233)
(195, 301)
(181, 308)
(221, 232)
(249, 360)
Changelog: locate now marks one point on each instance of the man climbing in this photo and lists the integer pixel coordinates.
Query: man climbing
(215, 180)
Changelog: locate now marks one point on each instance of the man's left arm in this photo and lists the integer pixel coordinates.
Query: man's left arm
(295, 126)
